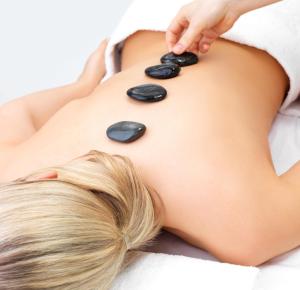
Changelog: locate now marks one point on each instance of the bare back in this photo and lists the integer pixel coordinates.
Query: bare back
(216, 118)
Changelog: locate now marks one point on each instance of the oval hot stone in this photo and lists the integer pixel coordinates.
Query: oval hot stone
(147, 93)
(163, 71)
(185, 59)
(125, 131)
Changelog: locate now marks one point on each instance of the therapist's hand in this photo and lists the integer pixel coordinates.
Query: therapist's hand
(199, 23)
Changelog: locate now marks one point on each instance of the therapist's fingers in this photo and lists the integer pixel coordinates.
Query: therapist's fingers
(204, 47)
(176, 28)
(209, 36)
(226, 22)
(194, 48)
(191, 35)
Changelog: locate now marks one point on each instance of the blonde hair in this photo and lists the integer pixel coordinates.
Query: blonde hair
(69, 232)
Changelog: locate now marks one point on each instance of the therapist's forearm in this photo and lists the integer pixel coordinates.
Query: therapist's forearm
(244, 6)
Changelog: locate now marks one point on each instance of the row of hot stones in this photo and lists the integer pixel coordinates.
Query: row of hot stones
(170, 67)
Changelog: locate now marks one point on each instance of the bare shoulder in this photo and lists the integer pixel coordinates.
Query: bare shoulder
(7, 154)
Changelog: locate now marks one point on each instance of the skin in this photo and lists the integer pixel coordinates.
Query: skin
(205, 151)
(199, 23)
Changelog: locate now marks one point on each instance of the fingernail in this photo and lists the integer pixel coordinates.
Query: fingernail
(206, 46)
(178, 48)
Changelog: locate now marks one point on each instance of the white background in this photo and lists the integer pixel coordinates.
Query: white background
(45, 43)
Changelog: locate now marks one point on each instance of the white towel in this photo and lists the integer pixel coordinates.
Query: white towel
(276, 277)
(274, 28)
(281, 273)
(171, 272)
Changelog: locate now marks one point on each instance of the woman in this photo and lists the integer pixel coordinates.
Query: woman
(203, 169)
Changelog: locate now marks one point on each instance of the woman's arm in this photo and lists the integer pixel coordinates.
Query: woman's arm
(21, 118)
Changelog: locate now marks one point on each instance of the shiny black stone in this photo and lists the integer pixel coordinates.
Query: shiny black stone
(125, 131)
(185, 59)
(163, 71)
(147, 93)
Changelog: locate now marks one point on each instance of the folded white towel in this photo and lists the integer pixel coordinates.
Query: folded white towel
(163, 272)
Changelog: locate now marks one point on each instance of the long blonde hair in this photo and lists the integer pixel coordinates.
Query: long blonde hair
(68, 232)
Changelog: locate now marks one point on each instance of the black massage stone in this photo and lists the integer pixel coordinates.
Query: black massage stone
(185, 59)
(147, 93)
(163, 71)
(125, 131)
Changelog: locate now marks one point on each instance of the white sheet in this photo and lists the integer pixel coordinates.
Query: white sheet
(174, 272)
